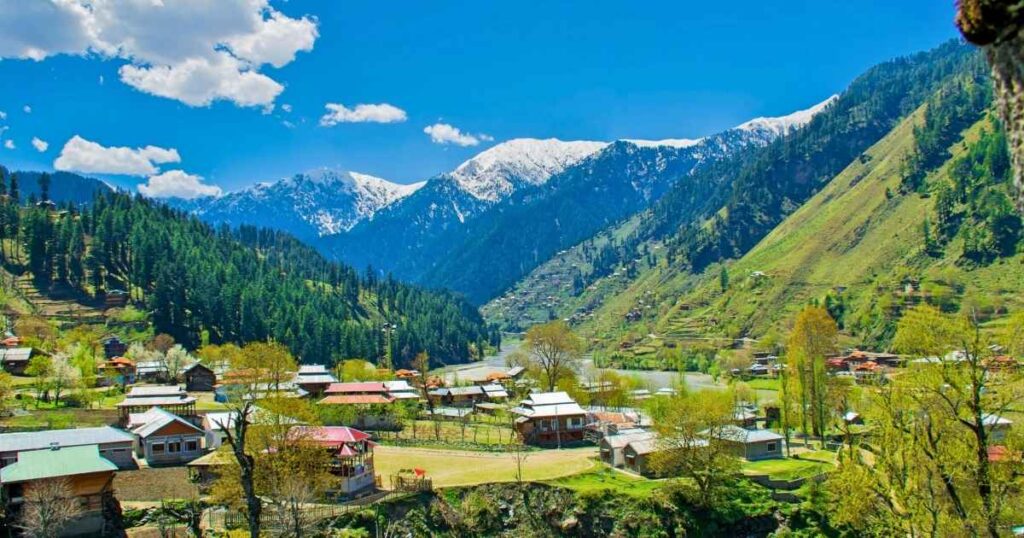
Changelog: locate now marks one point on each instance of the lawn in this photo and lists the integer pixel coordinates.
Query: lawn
(449, 468)
(60, 419)
(763, 384)
(608, 479)
(786, 469)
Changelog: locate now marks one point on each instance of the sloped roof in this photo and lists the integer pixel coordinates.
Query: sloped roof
(53, 463)
(157, 418)
(309, 379)
(156, 400)
(741, 435)
(329, 435)
(548, 398)
(355, 399)
(15, 354)
(357, 387)
(20, 441)
(623, 439)
(162, 390)
(195, 365)
(643, 446)
(312, 369)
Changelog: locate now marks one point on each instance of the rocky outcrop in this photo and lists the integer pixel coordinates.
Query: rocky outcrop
(998, 27)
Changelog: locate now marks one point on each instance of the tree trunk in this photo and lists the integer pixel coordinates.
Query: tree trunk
(998, 26)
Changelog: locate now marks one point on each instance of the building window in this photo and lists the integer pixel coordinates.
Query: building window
(174, 447)
(771, 447)
(191, 446)
(157, 448)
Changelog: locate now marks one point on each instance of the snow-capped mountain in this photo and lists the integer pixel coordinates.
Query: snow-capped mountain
(502, 169)
(759, 129)
(529, 196)
(781, 125)
(315, 203)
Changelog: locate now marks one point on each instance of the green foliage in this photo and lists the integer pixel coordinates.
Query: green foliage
(234, 286)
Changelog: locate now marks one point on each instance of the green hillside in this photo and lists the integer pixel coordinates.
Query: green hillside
(858, 246)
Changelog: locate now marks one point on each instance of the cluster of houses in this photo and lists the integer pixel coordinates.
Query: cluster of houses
(89, 458)
(632, 449)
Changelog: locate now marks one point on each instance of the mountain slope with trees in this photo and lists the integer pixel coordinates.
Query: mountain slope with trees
(220, 285)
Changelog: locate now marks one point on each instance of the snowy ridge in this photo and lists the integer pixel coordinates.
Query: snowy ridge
(498, 171)
(668, 142)
(784, 124)
(319, 202)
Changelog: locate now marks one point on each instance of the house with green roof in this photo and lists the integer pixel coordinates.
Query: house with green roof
(89, 477)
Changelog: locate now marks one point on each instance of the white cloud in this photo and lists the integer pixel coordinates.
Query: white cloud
(81, 155)
(9, 144)
(382, 113)
(39, 144)
(193, 51)
(443, 133)
(178, 184)
(26, 109)
(3, 115)
(286, 107)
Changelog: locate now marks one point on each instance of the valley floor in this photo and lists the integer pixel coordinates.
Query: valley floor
(449, 468)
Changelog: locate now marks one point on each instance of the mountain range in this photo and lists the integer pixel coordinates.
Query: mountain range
(416, 231)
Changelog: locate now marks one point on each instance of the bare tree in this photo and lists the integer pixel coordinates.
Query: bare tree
(50, 505)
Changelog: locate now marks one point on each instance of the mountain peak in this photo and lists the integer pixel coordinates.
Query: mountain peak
(784, 124)
(499, 170)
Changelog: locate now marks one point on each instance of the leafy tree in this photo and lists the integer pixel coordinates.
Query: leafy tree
(933, 472)
(692, 430)
(813, 338)
(556, 350)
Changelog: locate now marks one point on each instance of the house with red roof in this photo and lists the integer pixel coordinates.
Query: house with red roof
(351, 454)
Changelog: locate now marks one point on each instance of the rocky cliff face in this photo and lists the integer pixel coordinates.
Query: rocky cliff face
(998, 27)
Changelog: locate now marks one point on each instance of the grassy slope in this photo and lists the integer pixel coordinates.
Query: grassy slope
(850, 234)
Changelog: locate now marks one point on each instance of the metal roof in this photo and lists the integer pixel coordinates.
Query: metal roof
(623, 439)
(57, 462)
(164, 390)
(157, 418)
(17, 442)
(312, 369)
(15, 354)
(548, 398)
(357, 387)
(740, 435)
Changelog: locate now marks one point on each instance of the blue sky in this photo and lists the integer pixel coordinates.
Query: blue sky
(596, 70)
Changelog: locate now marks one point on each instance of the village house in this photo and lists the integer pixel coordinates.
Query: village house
(352, 456)
(118, 371)
(171, 398)
(112, 443)
(214, 422)
(636, 455)
(199, 377)
(998, 427)
(89, 475)
(314, 379)
(165, 438)
(458, 396)
(15, 359)
(495, 392)
(612, 446)
(151, 371)
(550, 418)
(400, 389)
(752, 444)
(114, 347)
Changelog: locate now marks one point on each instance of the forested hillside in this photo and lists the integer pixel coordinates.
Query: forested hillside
(230, 285)
(770, 184)
(923, 216)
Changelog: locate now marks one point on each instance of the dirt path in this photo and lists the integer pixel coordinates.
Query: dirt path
(462, 468)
